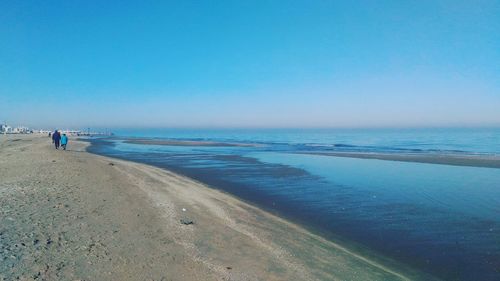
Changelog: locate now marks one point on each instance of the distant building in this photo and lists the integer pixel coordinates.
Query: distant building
(72, 132)
(21, 130)
(5, 129)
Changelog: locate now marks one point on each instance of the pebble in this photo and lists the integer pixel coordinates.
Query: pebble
(186, 221)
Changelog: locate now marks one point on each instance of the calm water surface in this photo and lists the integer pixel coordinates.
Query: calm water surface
(441, 219)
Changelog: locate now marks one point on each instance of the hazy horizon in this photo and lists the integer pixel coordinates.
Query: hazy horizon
(303, 64)
(115, 129)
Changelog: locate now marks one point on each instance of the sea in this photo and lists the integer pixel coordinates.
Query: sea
(440, 219)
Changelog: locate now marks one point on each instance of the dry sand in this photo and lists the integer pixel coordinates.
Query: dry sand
(72, 215)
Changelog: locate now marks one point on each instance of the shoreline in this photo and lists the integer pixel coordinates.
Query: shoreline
(229, 238)
(454, 159)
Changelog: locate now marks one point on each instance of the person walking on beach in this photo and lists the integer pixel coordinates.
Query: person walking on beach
(56, 138)
(64, 141)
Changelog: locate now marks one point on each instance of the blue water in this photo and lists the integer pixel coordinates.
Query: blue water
(441, 219)
(480, 140)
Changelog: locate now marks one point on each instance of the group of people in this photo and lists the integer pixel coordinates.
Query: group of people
(59, 140)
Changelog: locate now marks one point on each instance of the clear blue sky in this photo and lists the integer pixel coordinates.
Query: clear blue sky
(250, 63)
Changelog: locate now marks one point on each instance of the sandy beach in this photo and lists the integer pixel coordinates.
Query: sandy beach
(72, 215)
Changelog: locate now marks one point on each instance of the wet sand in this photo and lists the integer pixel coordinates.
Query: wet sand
(445, 159)
(188, 143)
(72, 215)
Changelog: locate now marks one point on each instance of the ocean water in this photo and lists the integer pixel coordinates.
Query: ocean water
(440, 219)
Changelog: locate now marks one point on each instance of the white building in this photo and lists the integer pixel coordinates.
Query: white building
(21, 130)
(72, 132)
(5, 129)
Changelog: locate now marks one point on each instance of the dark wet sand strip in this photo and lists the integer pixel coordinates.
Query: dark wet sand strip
(188, 143)
(444, 159)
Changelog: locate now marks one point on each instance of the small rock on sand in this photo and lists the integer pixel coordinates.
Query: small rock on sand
(186, 221)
